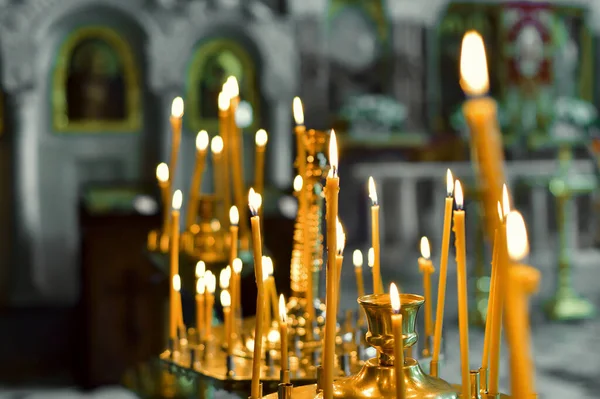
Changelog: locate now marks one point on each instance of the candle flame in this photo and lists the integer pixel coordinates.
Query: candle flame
(449, 183)
(177, 107)
(224, 277)
(267, 265)
(253, 201)
(298, 182)
(200, 269)
(265, 268)
(372, 191)
(202, 140)
(261, 137)
(340, 237)
(500, 213)
(177, 282)
(225, 299)
(177, 200)
(282, 310)
(211, 282)
(357, 258)
(425, 248)
(298, 111)
(505, 201)
(473, 65)
(458, 195)
(224, 98)
(233, 87)
(200, 286)
(216, 145)
(333, 154)
(371, 257)
(237, 265)
(516, 236)
(234, 215)
(395, 298)
(162, 172)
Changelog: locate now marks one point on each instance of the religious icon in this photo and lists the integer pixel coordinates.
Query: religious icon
(96, 83)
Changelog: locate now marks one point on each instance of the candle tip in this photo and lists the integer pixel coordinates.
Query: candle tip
(177, 107)
(233, 86)
(340, 237)
(224, 277)
(372, 191)
(237, 265)
(202, 140)
(425, 248)
(211, 282)
(216, 145)
(473, 65)
(371, 257)
(224, 99)
(333, 154)
(267, 265)
(254, 201)
(200, 269)
(162, 172)
(458, 195)
(516, 236)
(500, 213)
(177, 200)
(298, 182)
(357, 258)
(234, 215)
(395, 298)
(200, 286)
(261, 137)
(265, 268)
(449, 183)
(298, 111)
(225, 299)
(282, 310)
(177, 282)
(505, 201)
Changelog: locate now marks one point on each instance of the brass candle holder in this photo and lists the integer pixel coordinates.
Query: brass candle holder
(207, 239)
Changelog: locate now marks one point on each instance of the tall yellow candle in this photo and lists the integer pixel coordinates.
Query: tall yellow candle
(283, 338)
(200, 289)
(266, 265)
(211, 286)
(260, 139)
(426, 267)
(357, 260)
(177, 305)
(377, 282)
(225, 132)
(332, 187)
(272, 289)
(237, 266)
(162, 175)
(201, 146)
(300, 130)
(461, 275)
(226, 304)
(398, 342)
(498, 300)
(339, 260)
(441, 299)
(234, 219)
(480, 113)
(174, 261)
(216, 147)
(523, 280)
(260, 298)
(176, 115)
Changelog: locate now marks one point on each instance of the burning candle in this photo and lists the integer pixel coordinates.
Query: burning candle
(237, 272)
(225, 132)
(300, 132)
(268, 268)
(234, 219)
(237, 160)
(201, 146)
(253, 203)
(200, 288)
(441, 299)
(480, 114)
(339, 259)
(226, 304)
(377, 283)
(426, 267)
(177, 306)
(461, 276)
(332, 187)
(216, 147)
(260, 139)
(357, 260)
(176, 115)
(523, 280)
(498, 301)
(174, 269)
(283, 339)
(211, 286)
(162, 175)
(398, 342)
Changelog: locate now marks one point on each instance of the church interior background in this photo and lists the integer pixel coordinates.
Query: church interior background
(86, 88)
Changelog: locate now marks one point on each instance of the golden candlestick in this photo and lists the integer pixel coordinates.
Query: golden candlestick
(201, 146)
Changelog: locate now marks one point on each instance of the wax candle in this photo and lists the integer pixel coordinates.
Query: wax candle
(260, 139)
(201, 146)
(216, 147)
(300, 130)
(266, 266)
(523, 280)
(377, 282)
(480, 113)
(272, 289)
(398, 342)
(283, 339)
(162, 175)
(339, 259)
(211, 286)
(177, 306)
(332, 187)
(441, 299)
(237, 266)
(426, 267)
(461, 276)
(234, 219)
(357, 260)
(225, 132)
(238, 148)
(226, 304)
(260, 298)
(498, 301)
(174, 259)
(200, 288)
(176, 115)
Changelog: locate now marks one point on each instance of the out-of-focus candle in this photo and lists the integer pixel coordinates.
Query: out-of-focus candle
(237, 266)
(461, 276)
(174, 269)
(200, 289)
(216, 147)
(226, 304)
(357, 260)
(300, 132)
(176, 116)
(178, 308)
(211, 286)
(237, 160)
(523, 280)
(426, 267)
(162, 175)
(225, 131)
(234, 219)
(441, 299)
(260, 139)
(283, 339)
(398, 342)
(201, 146)
(377, 282)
